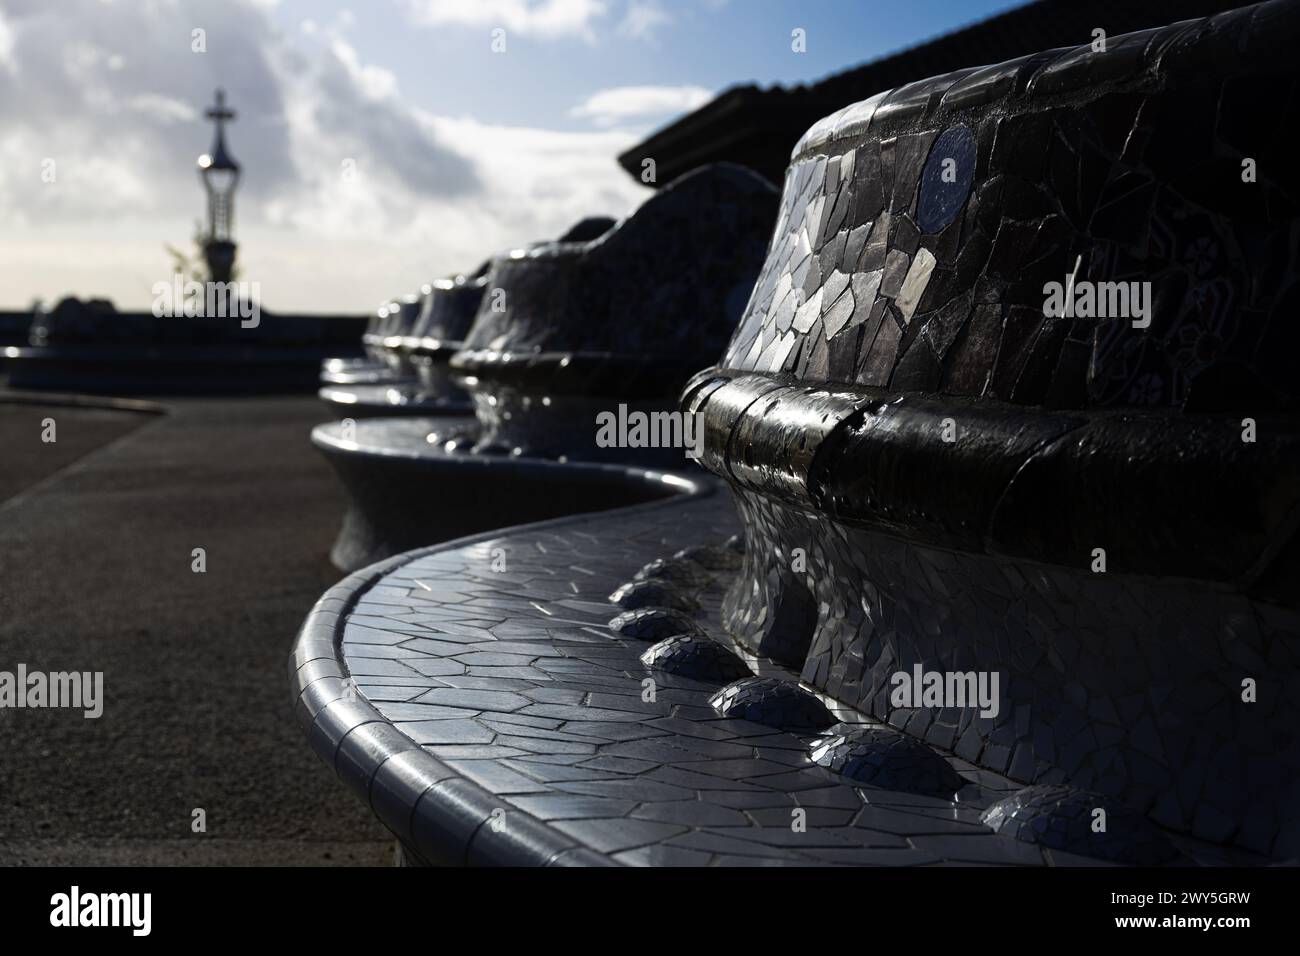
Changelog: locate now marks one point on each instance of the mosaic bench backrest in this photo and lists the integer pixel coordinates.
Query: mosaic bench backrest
(667, 284)
(391, 322)
(947, 205)
(447, 309)
(940, 472)
(627, 315)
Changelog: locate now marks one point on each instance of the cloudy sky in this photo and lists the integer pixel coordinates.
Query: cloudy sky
(383, 142)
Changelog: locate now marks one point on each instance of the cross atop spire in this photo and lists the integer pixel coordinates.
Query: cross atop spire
(219, 113)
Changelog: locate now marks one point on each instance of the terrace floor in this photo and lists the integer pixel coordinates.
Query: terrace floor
(96, 536)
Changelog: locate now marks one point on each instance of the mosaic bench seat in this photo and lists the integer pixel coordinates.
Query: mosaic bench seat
(409, 342)
(409, 349)
(405, 489)
(579, 327)
(374, 366)
(447, 310)
(386, 330)
(355, 371)
(489, 703)
(610, 318)
(387, 397)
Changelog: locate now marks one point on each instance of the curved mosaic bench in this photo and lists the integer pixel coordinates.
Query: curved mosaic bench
(447, 309)
(355, 371)
(371, 368)
(575, 328)
(564, 331)
(404, 344)
(408, 342)
(414, 337)
(378, 366)
(927, 455)
(492, 705)
(395, 502)
(387, 398)
(383, 338)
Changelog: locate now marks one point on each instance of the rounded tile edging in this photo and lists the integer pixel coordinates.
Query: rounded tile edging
(321, 710)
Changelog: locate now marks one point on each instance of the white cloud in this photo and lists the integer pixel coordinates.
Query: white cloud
(643, 19)
(374, 82)
(167, 108)
(6, 45)
(538, 181)
(549, 19)
(621, 103)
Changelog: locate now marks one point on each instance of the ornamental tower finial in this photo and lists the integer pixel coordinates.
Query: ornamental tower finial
(220, 174)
